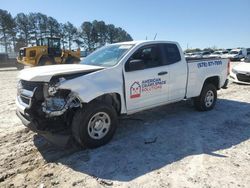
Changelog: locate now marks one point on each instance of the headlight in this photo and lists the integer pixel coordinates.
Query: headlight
(234, 71)
(19, 87)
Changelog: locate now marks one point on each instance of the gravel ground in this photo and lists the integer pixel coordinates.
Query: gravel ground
(170, 146)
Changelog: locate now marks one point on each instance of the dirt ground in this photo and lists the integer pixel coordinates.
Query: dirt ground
(171, 146)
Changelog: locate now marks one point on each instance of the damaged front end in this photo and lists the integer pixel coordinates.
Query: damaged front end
(46, 109)
(58, 101)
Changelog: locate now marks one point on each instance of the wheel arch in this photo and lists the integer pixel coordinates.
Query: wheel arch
(113, 99)
(38, 58)
(45, 57)
(215, 80)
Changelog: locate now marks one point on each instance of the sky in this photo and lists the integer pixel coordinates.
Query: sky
(192, 23)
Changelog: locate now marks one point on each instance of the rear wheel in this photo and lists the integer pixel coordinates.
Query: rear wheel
(207, 99)
(95, 124)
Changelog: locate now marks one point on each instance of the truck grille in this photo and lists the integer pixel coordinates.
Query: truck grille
(243, 77)
(30, 85)
(25, 100)
(26, 91)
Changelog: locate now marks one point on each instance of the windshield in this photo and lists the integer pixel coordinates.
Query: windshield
(234, 52)
(107, 56)
(54, 43)
(43, 42)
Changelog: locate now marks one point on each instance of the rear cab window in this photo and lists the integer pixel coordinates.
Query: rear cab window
(171, 54)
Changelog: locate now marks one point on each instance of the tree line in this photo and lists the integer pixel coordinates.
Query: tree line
(26, 29)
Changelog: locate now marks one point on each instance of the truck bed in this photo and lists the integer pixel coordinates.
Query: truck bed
(191, 60)
(201, 68)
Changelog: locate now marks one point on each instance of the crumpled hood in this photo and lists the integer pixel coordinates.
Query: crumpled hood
(242, 67)
(45, 73)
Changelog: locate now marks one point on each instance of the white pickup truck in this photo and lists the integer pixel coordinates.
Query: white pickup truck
(83, 101)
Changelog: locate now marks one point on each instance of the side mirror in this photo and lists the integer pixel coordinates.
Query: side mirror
(135, 64)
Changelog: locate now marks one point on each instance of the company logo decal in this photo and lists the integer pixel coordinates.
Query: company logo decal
(135, 90)
(145, 86)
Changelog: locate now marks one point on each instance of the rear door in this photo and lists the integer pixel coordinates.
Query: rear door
(148, 86)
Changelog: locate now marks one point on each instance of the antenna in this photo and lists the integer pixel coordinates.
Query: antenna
(155, 36)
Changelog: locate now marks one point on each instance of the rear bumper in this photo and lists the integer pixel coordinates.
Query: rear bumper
(225, 84)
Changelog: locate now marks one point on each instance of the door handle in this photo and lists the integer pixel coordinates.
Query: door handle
(162, 73)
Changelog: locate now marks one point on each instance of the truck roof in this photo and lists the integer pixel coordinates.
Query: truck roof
(237, 49)
(136, 42)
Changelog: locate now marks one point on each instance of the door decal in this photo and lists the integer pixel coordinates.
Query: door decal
(147, 86)
(135, 90)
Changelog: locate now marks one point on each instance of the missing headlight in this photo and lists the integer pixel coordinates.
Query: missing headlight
(52, 90)
(53, 86)
(55, 104)
(58, 105)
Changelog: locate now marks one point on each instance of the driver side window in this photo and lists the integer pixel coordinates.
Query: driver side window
(147, 57)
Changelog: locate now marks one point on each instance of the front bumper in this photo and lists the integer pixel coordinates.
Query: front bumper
(235, 58)
(233, 78)
(25, 61)
(61, 139)
(32, 125)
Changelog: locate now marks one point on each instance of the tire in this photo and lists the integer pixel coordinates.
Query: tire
(72, 60)
(46, 61)
(207, 99)
(19, 66)
(88, 124)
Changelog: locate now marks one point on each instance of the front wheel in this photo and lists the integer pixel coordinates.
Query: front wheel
(207, 99)
(46, 61)
(95, 124)
(19, 66)
(72, 60)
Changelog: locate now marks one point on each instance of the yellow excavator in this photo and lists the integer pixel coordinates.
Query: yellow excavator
(47, 52)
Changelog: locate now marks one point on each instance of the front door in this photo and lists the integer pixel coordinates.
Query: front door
(147, 86)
